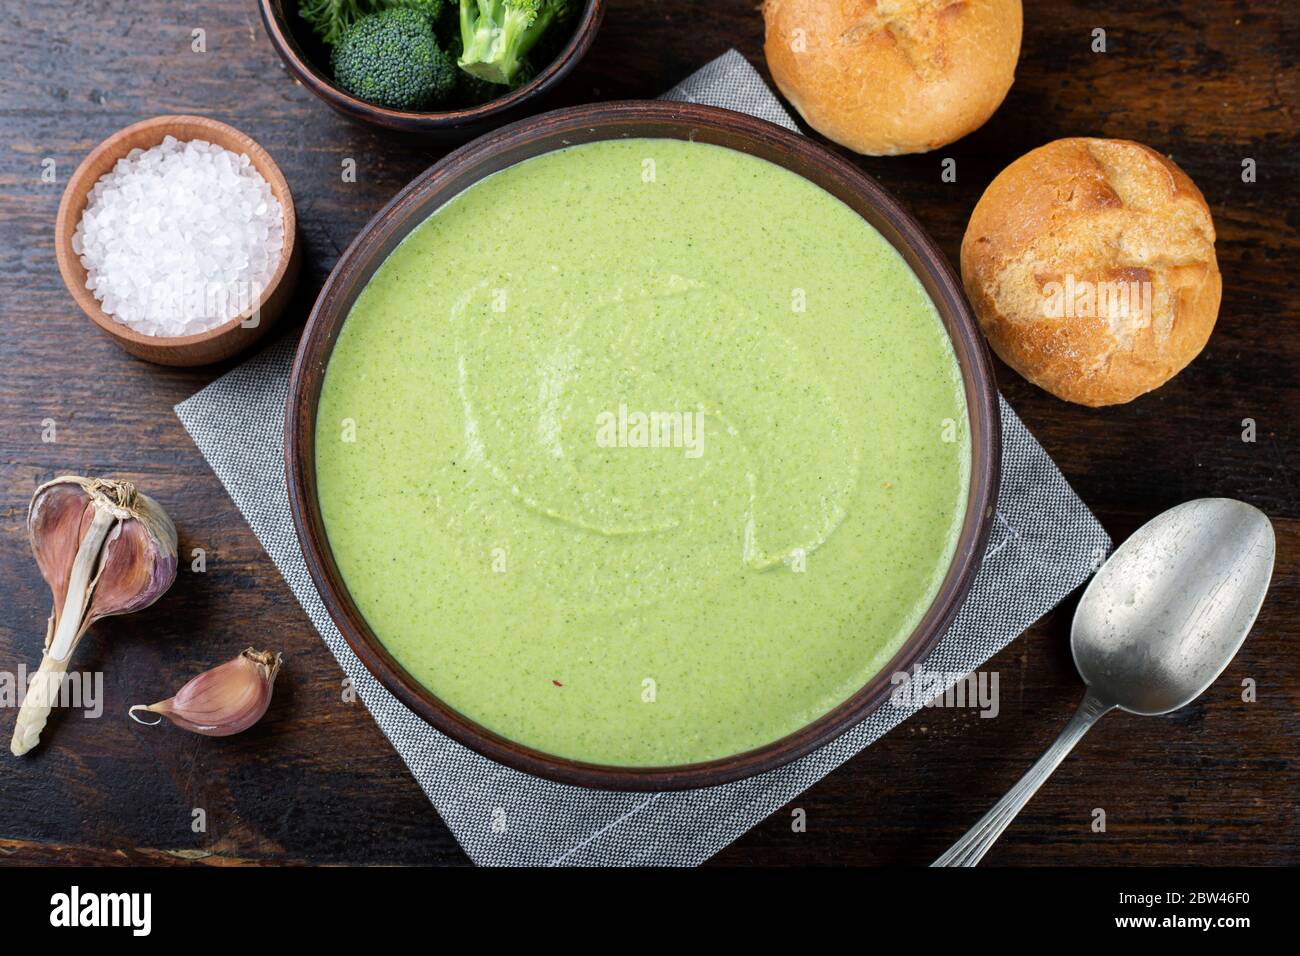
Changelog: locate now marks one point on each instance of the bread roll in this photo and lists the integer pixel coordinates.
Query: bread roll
(1091, 267)
(884, 77)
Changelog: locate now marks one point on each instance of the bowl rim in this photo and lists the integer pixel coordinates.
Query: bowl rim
(483, 156)
(274, 19)
(72, 205)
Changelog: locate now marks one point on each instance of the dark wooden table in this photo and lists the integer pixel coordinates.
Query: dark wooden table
(1211, 84)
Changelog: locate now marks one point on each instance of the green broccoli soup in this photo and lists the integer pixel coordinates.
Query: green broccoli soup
(643, 452)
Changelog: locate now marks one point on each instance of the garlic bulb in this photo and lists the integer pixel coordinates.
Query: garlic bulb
(223, 701)
(104, 549)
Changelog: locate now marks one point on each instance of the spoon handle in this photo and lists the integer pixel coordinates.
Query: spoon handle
(971, 848)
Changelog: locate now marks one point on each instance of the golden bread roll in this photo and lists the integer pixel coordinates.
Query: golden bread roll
(884, 77)
(1091, 267)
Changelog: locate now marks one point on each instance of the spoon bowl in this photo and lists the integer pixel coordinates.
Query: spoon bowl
(1169, 610)
(1159, 622)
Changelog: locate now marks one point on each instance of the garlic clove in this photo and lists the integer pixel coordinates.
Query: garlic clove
(222, 701)
(56, 523)
(138, 563)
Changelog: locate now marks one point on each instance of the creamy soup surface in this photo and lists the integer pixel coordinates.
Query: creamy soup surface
(643, 452)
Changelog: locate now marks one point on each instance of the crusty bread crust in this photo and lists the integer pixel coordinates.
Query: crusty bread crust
(884, 77)
(1093, 215)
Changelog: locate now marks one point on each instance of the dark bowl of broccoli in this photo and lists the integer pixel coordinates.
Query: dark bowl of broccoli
(449, 69)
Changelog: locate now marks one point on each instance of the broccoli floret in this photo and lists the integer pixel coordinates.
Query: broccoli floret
(496, 35)
(392, 59)
(472, 90)
(329, 18)
(433, 9)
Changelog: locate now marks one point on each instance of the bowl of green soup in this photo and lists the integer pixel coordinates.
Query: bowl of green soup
(641, 445)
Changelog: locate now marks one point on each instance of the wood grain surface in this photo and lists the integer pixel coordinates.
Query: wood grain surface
(1210, 84)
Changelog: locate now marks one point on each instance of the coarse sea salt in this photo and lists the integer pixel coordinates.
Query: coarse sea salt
(180, 238)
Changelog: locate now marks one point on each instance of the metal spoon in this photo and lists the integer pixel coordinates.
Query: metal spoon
(1159, 622)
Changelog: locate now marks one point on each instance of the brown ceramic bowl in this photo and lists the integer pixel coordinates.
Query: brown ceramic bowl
(584, 124)
(308, 60)
(213, 345)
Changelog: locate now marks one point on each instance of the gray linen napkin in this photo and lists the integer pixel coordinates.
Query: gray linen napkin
(1044, 543)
